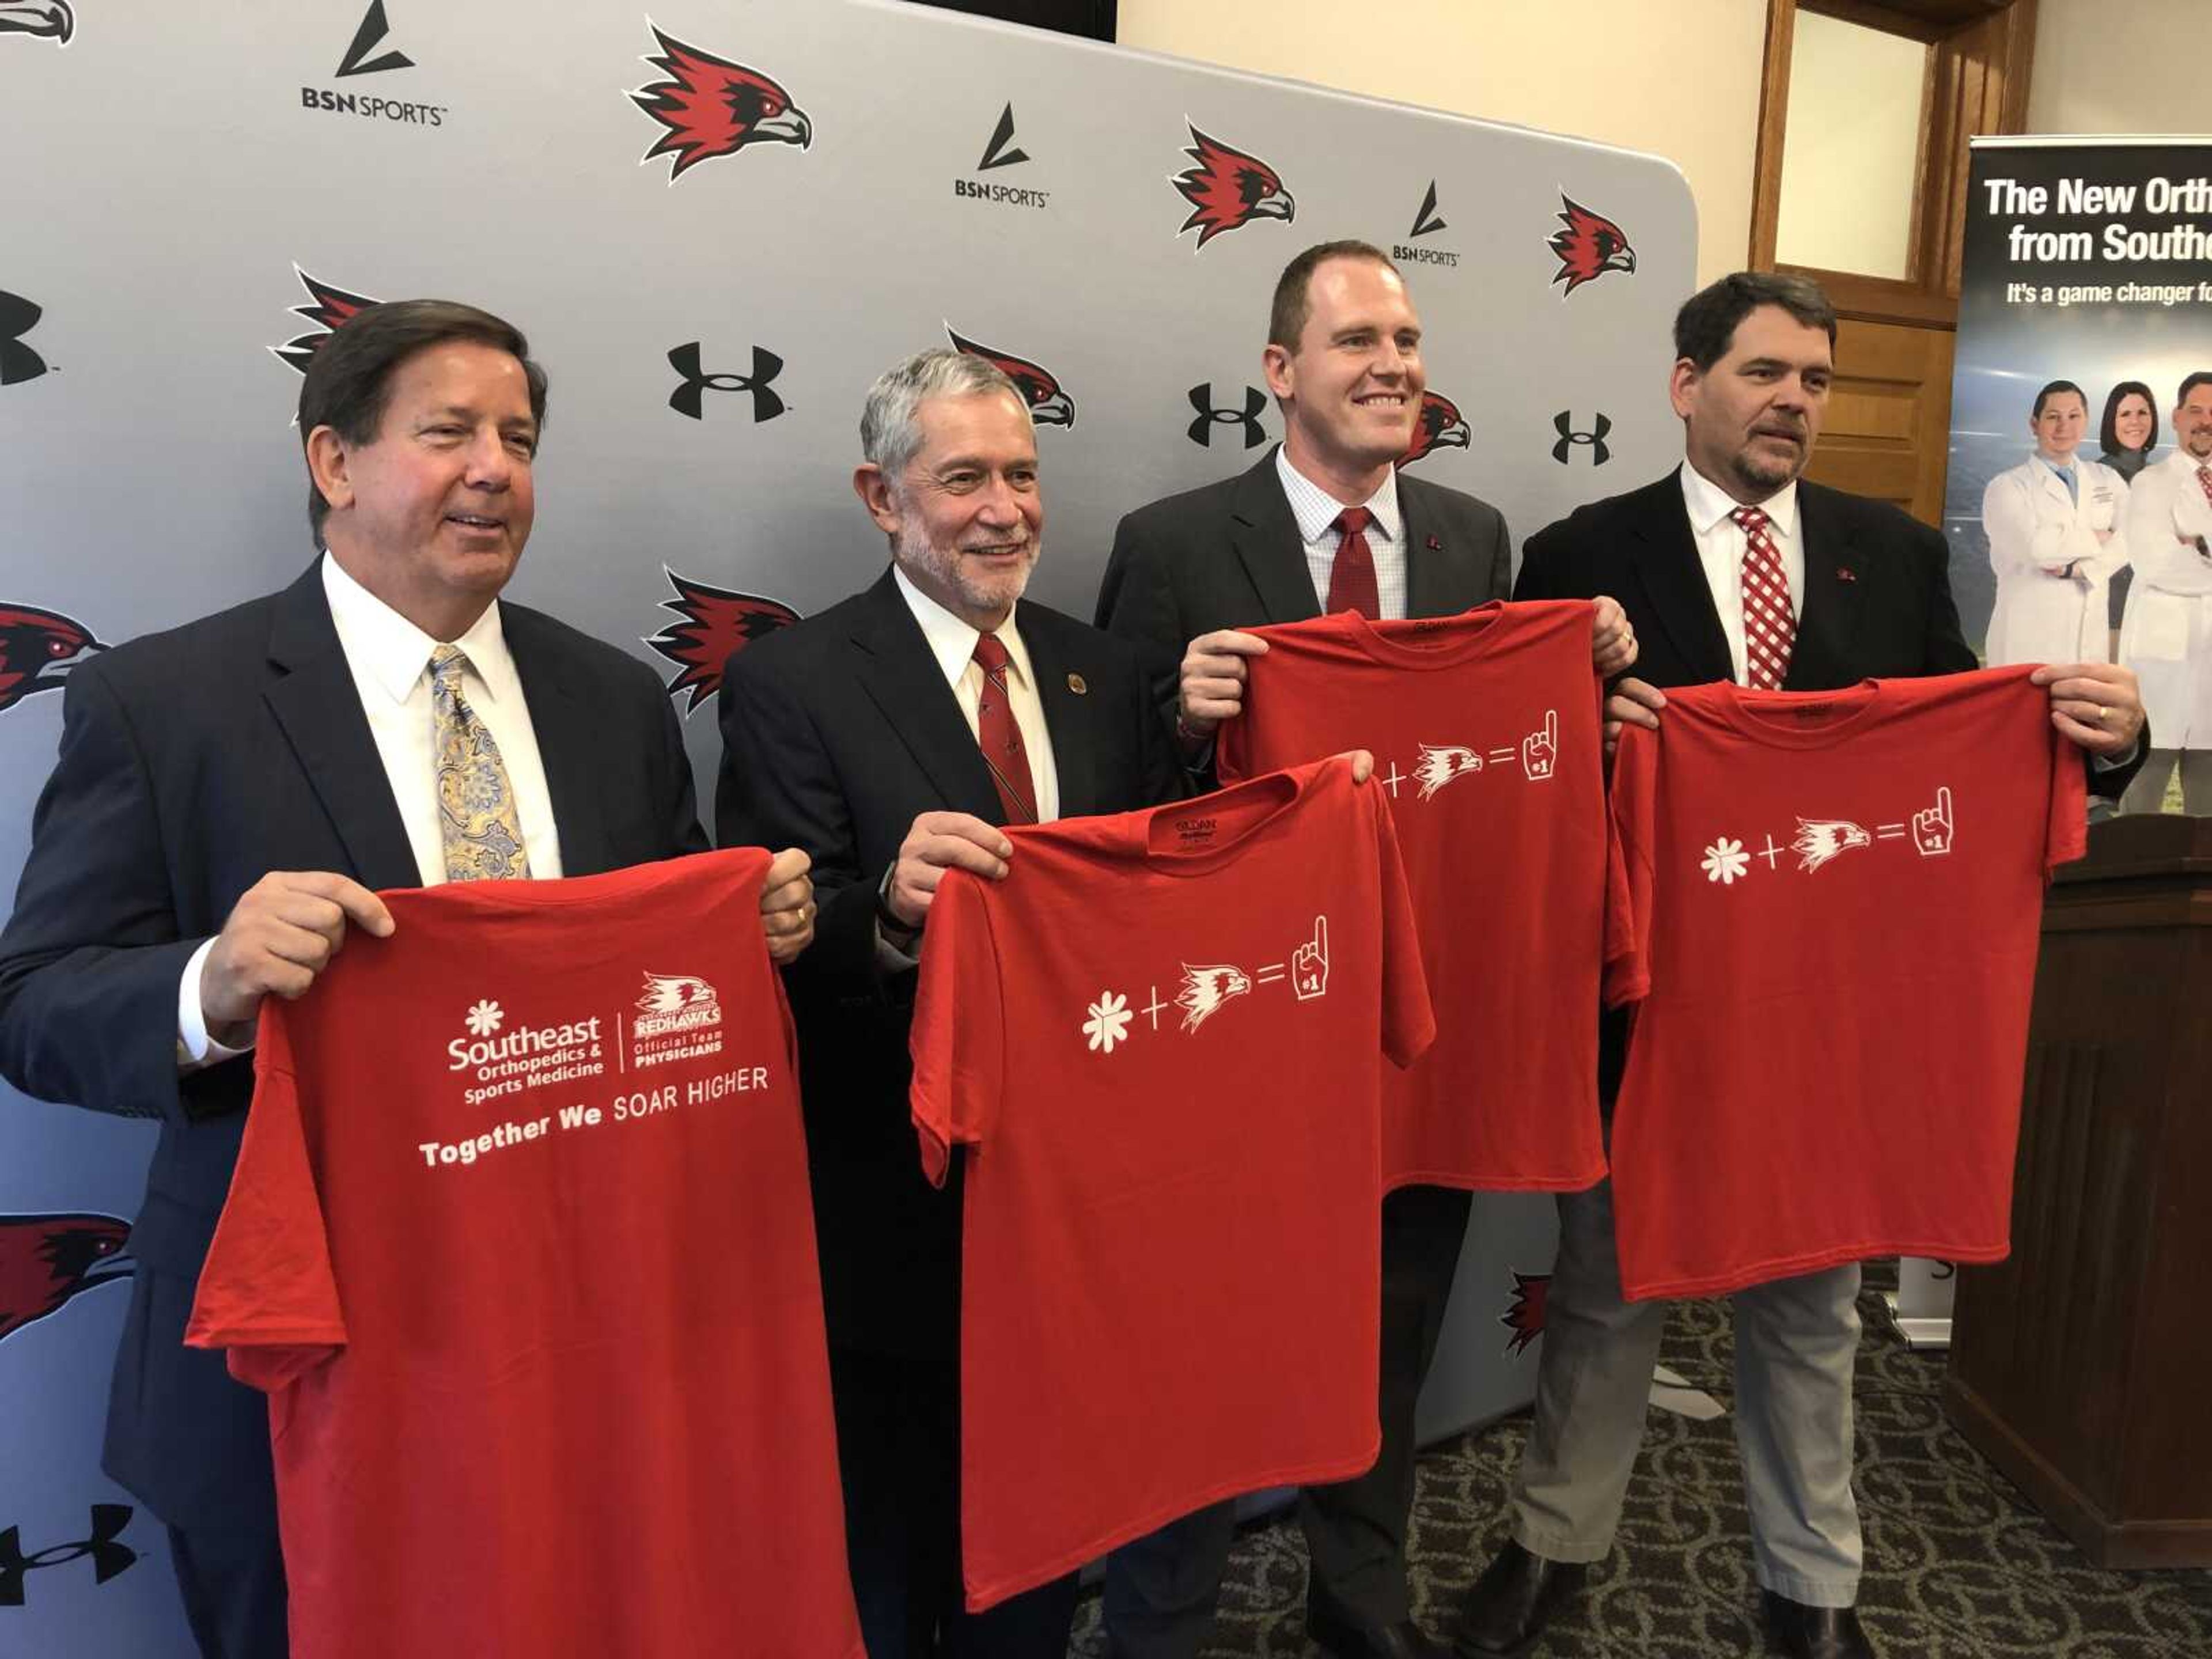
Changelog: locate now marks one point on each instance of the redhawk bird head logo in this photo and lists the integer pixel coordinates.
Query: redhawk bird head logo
(329, 308)
(1228, 188)
(711, 107)
(1819, 840)
(1590, 246)
(670, 993)
(1440, 762)
(1040, 387)
(717, 621)
(46, 1260)
(47, 20)
(1204, 989)
(1524, 1315)
(1441, 427)
(36, 650)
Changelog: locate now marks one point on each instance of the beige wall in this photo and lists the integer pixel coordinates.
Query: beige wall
(2133, 68)
(1678, 79)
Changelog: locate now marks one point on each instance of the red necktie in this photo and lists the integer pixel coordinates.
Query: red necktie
(1768, 629)
(1352, 576)
(2204, 479)
(1000, 739)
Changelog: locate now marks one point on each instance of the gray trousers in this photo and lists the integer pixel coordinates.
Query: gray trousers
(2148, 793)
(1794, 1339)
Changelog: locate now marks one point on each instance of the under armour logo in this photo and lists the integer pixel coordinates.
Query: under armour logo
(1209, 417)
(1564, 424)
(18, 316)
(109, 1556)
(686, 398)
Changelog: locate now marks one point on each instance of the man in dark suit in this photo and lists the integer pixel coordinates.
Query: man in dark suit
(892, 736)
(228, 793)
(1735, 535)
(1325, 521)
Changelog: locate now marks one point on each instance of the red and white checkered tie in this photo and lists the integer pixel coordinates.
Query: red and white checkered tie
(1768, 629)
(2204, 481)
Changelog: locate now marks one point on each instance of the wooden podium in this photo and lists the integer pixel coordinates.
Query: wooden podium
(2082, 1365)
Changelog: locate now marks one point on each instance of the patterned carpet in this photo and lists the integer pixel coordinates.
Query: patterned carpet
(1958, 1565)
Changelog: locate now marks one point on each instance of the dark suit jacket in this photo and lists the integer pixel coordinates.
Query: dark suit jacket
(837, 732)
(1229, 556)
(1877, 604)
(192, 762)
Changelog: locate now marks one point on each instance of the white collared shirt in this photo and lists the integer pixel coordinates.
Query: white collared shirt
(1722, 544)
(953, 642)
(389, 659)
(1315, 511)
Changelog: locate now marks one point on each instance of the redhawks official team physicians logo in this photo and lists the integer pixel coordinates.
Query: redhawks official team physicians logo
(329, 308)
(1524, 1314)
(717, 621)
(1228, 189)
(38, 648)
(1590, 246)
(42, 20)
(1442, 427)
(711, 107)
(48, 1260)
(1050, 405)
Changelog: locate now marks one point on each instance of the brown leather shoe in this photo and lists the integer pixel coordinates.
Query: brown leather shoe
(1506, 1610)
(1802, 1632)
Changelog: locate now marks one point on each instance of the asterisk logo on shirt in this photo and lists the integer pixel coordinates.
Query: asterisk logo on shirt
(484, 1018)
(1109, 1022)
(1725, 860)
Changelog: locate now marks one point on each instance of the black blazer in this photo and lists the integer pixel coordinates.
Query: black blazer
(193, 763)
(837, 732)
(1229, 556)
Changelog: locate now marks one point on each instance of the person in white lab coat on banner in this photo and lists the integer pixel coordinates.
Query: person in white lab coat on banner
(2167, 634)
(2056, 524)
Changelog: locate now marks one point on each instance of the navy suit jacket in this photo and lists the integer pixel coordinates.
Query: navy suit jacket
(193, 763)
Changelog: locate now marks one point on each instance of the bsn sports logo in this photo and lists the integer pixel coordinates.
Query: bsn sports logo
(1524, 1314)
(39, 20)
(99, 1545)
(1228, 189)
(695, 382)
(367, 39)
(1001, 152)
(1050, 405)
(711, 107)
(717, 621)
(47, 1262)
(1564, 424)
(362, 58)
(1441, 427)
(1212, 415)
(329, 308)
(38, 648)
(18, 361)
(1590, 246)
(1427, 222)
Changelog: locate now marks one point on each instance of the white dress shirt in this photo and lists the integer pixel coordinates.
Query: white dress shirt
(390, 659)
(1722, 544)
(1315, 511)
(953, 642)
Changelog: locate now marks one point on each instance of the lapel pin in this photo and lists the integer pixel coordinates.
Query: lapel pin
(1075, 685)
(1434, 545)
(1845, 575)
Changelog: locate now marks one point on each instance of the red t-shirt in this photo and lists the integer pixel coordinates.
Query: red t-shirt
(520, 1247)
(1157, 1038)
(1485, 728)
(1837, 898)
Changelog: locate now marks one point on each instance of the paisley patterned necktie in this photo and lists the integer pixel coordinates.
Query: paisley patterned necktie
(476, 819)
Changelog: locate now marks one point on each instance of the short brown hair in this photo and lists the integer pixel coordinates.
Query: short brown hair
(348, 384)
(1705, 325)
(1286, 319)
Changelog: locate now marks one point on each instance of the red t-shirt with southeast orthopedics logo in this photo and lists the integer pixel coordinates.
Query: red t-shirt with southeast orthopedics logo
(1837, 898)
(520, 1247)
(1485, 728)
(1158, 1040)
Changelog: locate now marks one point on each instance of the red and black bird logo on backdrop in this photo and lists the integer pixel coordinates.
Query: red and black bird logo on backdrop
(43, 20)
(1524, 1315)
(38, 648)
(711, 107)
(717, 621)
(329, 309)
(1228, 188)
(1441, 427)
(46, 1260)
(1050, 404)
(1590, 246)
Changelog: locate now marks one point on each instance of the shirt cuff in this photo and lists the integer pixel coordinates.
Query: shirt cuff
(196, 1046)
(2114, 763)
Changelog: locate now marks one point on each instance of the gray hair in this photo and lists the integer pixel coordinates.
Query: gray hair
(889, 433)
